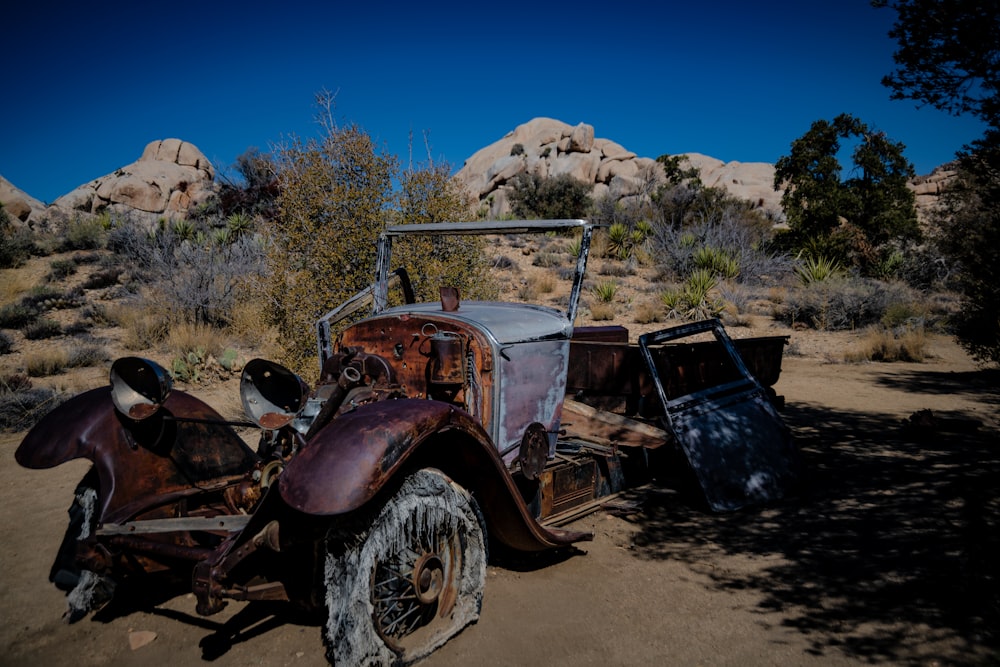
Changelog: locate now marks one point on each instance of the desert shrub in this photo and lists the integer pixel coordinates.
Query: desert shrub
(16, 242)
(103, 278)
(6, 343)
(185, 338)
(736, 295)
(544, 284)
(101, 314)
(547, 259)
(13, 285)
(86, 355)
(903, 313)
(46, 362)
(142, 327)
(887, 345)
(602, 312)
(21, 404)
(503, 262)
(248, 325)
(731, 318)
(616, 269)
(85, 233)
(197, 274)
(705, 228)
(43, 327)
(77, 328)
(647, 313)
(18, 315)
(527, 291)
(60, 269)
(559, 197)
(843, 304)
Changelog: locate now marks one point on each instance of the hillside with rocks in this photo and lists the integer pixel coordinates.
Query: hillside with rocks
(171, 176)
(549, 148)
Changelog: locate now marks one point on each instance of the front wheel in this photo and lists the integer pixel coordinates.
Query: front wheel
(410, 580)
(85, 590)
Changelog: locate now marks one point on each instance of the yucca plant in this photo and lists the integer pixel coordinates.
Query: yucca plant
(716, 260)
(605, 291)
(239, 224)
(698, 302)
(817, 269)
(574, 247)
(619, 241)
(673, 303)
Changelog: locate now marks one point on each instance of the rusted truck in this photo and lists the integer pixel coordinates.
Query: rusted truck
(435, 430)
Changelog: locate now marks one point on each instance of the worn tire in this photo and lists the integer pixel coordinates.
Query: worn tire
(411, 579)
(85, 590)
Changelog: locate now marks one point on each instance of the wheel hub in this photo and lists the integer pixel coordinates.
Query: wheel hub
(428, 578)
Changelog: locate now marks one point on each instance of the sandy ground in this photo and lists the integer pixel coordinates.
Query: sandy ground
(890, 556)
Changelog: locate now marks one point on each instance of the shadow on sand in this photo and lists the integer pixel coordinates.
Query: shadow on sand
(892, 544)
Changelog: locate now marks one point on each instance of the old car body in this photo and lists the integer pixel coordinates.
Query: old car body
(434, 429)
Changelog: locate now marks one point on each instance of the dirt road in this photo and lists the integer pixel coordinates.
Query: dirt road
(890, 555)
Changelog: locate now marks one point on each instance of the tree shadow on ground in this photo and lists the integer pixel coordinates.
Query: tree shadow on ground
(892, 546)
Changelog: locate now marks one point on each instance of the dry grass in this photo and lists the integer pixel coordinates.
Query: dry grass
(49, 361)
(247, 325)
(648, 313)
(13, 285)
(602, 312)
(203, 340)
(544, 283)
(142, 328)
(884, 345)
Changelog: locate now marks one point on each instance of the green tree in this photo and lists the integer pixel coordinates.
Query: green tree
(949, 57)
(970, 237)
(860, 214)
(429, 194)
(337, 194)
(336, 191)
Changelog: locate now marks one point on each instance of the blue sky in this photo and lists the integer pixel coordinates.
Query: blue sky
(88, 85)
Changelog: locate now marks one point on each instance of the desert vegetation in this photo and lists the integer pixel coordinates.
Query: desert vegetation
(292, 233)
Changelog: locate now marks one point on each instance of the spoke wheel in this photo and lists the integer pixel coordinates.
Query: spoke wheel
(411, 580)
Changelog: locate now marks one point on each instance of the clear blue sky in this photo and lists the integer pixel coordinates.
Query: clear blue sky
(88, 85)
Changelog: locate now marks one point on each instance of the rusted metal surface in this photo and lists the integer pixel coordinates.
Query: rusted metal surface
(610, 368)
(141, 464)
(567, 485)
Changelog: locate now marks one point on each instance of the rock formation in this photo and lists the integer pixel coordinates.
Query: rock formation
(169, 178)
(19, 204)
(548, 147)
(172, 176)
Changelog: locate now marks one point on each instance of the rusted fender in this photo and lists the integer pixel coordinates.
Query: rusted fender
(139, 464)
(346, 464)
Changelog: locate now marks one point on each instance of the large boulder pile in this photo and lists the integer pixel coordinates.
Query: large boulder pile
(927, 189)
(19, 204)
(548, 148)
(168, 179)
